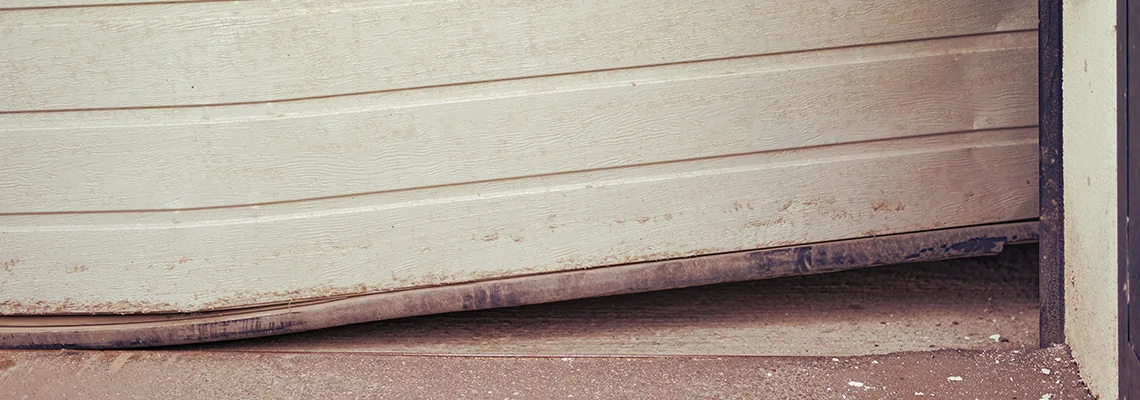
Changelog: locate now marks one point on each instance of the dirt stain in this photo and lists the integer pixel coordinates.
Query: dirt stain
(76, 268)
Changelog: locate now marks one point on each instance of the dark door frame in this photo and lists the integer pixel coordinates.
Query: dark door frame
(1052, 260)
(1128, 194)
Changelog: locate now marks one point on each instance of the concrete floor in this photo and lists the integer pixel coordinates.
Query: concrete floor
(874, 333)
(246, 375)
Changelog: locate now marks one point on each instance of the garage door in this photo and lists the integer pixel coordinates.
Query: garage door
(189, 156)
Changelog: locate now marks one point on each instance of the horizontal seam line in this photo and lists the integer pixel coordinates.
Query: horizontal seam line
(520, 177)
(550, 75)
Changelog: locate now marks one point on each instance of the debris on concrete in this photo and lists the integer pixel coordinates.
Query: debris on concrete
(182, 373)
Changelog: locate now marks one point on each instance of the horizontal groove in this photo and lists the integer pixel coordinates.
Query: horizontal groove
(513, 178)
(487, 81)
(534, 86)
(122, 4)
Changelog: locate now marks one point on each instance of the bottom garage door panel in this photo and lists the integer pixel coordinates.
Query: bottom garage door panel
(230, 257)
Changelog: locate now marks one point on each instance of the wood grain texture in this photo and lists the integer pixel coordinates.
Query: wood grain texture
(235, 155)
(218, 258)
(259, 51)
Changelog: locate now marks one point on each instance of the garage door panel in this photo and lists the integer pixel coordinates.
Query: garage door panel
(219, 258)
(181, 54)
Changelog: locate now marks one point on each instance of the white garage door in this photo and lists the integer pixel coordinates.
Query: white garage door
(184, 156)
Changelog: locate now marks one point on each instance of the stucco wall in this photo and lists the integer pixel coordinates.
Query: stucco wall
(1089, 91)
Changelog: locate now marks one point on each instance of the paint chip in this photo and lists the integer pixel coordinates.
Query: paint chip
(995, 337)
(1047, 396)
(855, 384)
(954, 378)
(1046, 371)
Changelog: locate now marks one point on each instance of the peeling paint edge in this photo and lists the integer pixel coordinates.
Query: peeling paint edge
(534, 289)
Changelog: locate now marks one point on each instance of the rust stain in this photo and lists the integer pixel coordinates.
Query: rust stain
(7, 265)
(818, 202)
(550, 222)
(737, 206)
(765, 223)
(837, 214)
(786, 206)
(642, 220)
(74, 269)
(886, 206)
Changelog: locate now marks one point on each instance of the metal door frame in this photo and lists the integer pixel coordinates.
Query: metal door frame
(1128, 195)
(1051, 184)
